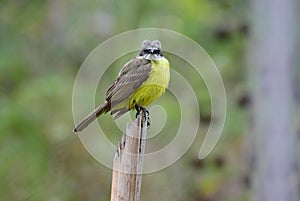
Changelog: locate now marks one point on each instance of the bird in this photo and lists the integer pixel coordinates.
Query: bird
(140, 82)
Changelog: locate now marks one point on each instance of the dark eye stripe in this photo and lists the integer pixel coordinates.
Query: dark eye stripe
(150, 51)
(156, 51)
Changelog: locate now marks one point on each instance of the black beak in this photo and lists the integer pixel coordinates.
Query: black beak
(151, 51)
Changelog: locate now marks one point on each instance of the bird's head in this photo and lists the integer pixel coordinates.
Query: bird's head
(151, 49)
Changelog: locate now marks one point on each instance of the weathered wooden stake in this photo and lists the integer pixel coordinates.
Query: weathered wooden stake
(128, 162)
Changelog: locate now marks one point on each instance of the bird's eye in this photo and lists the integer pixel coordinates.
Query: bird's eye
(144, 52)
(156, 52)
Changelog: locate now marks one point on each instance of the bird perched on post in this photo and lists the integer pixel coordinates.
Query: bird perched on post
(141, 81)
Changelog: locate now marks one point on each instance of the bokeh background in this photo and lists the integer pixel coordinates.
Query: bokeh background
(42, 46)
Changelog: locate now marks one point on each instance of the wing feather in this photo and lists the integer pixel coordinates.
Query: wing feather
(131, 77)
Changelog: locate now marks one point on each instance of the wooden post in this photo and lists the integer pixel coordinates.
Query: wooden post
(128, 162)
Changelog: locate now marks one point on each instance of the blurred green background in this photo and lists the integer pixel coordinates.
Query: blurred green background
(42, 46)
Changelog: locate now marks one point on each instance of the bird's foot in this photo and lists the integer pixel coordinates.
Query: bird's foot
(140, 108)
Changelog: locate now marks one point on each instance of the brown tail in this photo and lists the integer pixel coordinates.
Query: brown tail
(91, 117)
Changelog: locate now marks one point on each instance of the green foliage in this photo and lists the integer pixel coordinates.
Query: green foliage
(43, 43)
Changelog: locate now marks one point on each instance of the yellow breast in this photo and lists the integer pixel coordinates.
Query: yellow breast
(154, 86)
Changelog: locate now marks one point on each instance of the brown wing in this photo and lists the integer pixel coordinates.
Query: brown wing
(131, 77)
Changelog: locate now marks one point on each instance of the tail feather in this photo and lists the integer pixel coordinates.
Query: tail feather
(105, 107)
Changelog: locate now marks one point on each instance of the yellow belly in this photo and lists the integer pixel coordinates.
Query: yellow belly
(154, 86)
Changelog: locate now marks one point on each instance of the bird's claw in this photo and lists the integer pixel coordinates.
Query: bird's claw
(140, 108)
